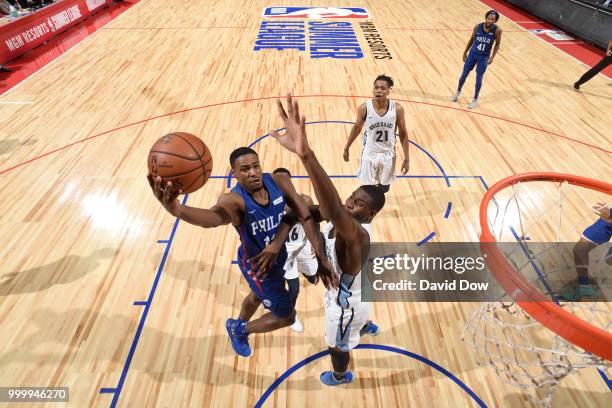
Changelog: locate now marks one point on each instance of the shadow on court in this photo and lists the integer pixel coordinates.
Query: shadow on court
(62, 271)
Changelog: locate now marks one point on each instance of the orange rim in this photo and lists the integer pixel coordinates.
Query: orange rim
(538, 306)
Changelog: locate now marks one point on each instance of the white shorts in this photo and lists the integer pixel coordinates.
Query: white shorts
(342, 326)
(377, 168)
(300, 260)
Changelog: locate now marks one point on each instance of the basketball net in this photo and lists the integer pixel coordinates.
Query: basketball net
(533, 344)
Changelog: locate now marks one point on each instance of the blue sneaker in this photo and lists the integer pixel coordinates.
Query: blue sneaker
(369, 328)
(240, 343)
(328, 378)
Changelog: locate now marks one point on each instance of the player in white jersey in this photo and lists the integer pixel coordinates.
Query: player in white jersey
(347, 241)
(381, 117)
(300, 258)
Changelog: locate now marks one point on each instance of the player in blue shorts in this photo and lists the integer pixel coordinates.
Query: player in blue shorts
(479, 47)
(597, 234)
(255, 207)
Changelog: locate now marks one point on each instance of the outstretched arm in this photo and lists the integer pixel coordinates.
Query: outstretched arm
(403, 135)
(355, 130)
(225, 211)
(294, 140)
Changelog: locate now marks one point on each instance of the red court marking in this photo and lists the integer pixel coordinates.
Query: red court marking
(296, 96)
(583, 52)
(33, 61)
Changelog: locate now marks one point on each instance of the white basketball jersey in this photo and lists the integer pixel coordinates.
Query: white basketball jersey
(296, 238)
(349, 296)
(379, 135)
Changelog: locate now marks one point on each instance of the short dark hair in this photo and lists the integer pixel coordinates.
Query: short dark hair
(377, 197)
(241, 151)
(385, 78)
(492, 12)
(282, 170)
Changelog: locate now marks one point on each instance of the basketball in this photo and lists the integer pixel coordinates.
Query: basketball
(181, 158)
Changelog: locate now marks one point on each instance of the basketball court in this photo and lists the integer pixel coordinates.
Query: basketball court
(104, 292)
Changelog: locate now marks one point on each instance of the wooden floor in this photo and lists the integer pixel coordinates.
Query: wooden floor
(80, 226)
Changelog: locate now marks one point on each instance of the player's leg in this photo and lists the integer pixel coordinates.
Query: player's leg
(293, 284)
(340, 362)
(342, 333)
(275, 297)
(236, 328)
(597, 234)
(387, 171)
(469, 64)
(481, 67)
(607, 60)
(307, 263)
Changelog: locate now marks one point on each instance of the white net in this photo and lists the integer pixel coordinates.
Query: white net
(543, 220)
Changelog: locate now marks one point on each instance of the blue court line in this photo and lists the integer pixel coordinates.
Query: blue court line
(235, 262)
(391, 349)
(427, 238)
(607, 380)
(343, 122)
(162, 241)
(448, 209)
(117, 391)
(140, 303)
(484, 183)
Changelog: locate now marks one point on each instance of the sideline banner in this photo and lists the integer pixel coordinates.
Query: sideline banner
(32, 30)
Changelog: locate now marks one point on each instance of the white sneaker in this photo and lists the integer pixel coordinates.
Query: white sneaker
(472, 104)
(456, 97)
(297, 326)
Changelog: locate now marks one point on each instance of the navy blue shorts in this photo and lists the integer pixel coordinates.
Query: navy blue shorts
(598, 233)
(271, 291)
(479, 60)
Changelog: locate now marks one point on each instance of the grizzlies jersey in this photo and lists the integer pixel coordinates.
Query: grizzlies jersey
(483, 43)
(296, 238)
(348, 294)
(379, 135)
(259, 225)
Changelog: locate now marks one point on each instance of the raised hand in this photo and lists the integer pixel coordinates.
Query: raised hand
(165, 195)
(294, 138)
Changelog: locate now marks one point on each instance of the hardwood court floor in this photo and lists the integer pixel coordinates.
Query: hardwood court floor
(80, 226)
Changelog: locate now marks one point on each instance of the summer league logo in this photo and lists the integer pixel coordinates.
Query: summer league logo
(323, 39)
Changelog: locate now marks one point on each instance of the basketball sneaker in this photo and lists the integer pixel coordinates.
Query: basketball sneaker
(328, 378)
(369, 328)
(472, 104)
(456, 97)
(297, 326)
(578, 293)
(236, 329)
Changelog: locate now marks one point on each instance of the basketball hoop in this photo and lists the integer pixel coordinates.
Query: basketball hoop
(532, 339)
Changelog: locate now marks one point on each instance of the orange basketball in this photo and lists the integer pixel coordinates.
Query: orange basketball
(181, 158)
